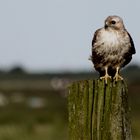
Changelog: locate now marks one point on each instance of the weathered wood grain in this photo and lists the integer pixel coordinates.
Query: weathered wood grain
(98, 111)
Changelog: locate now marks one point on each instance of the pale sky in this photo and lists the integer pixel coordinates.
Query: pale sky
(44, 35)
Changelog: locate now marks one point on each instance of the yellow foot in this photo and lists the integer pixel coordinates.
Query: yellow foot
(117, 77)
(105, 78)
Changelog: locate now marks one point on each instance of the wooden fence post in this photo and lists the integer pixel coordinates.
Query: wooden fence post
(98, 111)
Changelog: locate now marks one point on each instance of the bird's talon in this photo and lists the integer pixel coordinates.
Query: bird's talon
(117, 77)
(105, 78)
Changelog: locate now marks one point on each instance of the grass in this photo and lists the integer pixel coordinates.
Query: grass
(33, 132)
(136, 128)
(20, 120)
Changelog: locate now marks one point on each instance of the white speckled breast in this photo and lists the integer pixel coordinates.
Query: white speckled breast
(112, 46)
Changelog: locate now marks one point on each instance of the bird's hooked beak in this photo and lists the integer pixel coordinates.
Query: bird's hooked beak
(106, 26)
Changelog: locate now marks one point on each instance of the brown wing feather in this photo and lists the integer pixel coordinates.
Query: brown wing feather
(131, 51)
(132, 48)
(94, 54)
(96, 58)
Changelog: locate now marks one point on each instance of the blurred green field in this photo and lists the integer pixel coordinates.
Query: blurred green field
(32, 115)
(21, 120)
(34, 107)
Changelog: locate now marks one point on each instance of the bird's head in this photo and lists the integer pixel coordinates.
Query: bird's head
(114, 22)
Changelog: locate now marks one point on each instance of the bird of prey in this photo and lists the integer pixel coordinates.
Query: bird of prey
(112, 48)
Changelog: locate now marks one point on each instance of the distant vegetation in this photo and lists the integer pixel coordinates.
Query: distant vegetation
(33, 106)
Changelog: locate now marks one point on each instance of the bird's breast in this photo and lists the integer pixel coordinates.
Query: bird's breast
(110, 42)
(109, 39)
(110, 47)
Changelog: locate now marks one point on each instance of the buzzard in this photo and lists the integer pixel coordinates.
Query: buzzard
(112, 48)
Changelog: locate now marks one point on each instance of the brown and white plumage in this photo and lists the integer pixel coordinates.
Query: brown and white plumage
(112, 48)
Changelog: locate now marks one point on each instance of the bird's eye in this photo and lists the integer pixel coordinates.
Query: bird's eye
(113, 22)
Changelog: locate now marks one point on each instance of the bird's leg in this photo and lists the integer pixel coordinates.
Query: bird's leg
(117, 76)
(106, 75)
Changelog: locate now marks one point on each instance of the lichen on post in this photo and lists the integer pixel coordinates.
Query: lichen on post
(98, 111)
